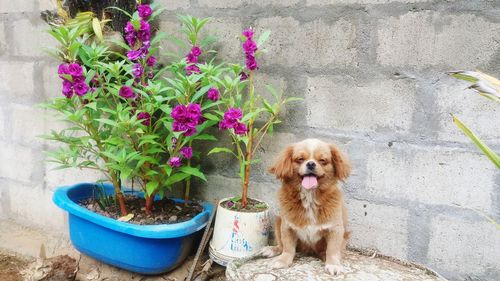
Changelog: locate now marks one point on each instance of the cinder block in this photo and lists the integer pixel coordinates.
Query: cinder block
(421, 39)
(47, 5)
(271, 147)
(174, 5)
(227, 30)
(342, 103)
(32, 45)
(380, 227)
(314, 44)
(52, 84)
(463, 248)
(477, 112)
(3, 41)
(18, 163)
(218, 187)
(33, 205)
(352, 2)
(3, 124)
(63, 177)
(17, 80)
(238, 3)
(7, 6)
(28, 123)
(432, 175)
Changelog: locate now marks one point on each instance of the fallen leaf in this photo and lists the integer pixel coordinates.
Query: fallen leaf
(126, 218)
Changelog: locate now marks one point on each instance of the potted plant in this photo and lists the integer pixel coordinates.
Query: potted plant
(133, 126)
(242, 223)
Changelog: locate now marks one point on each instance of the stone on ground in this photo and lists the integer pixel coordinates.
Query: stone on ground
(358, 267)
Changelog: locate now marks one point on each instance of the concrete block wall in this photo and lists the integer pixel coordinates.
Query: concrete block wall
(371, 73)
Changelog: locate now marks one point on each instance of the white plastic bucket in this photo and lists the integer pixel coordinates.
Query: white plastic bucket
(238, 234)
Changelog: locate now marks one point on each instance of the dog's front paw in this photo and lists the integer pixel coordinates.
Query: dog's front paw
(334, 269)
(281, 262)
(271, 251)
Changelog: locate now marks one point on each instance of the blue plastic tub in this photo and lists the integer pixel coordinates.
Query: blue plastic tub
(145, 249)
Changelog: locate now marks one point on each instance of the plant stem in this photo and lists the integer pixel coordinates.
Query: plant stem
(188, 181)
(114, 178)
(248, 148)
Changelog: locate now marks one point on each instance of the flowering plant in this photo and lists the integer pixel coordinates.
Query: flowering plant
(128, 120)
(243, 107)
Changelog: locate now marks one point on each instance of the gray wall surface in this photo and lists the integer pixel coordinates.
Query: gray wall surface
(371, 73)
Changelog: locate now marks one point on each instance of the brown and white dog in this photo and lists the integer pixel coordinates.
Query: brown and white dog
(313, 216)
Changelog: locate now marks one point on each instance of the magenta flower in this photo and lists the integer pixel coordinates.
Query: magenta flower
(231, 121)
(137, 70)
(129, 28)
(174, 162)
(126, 92)
(187, 152)
(240, 129)
(146, 117)
(190, 58)
(196, 51)
(144, 33)
(67, 89)
(249, 47)
(78, 79)
(151, 61)
(186, 118)
(213, 94)
(251, 63)
(145, 11)
(74, 69)
(190, 69)
(248, 33)
(243, 76)
(80, 89)
(134, 55)
(62, 69)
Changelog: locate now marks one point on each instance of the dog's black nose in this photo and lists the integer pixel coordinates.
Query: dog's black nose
(311, 165)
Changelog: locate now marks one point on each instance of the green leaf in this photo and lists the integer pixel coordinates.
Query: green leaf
(485, 148)
(263, 38)
(107, 121)
(205, 137)
(200, 93)
(96, 26)
(151, 187)
(220, 149)
(193, 171)
(176, 178)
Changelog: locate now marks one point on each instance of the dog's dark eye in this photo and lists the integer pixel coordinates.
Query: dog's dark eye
(323, 161)
(300, 160)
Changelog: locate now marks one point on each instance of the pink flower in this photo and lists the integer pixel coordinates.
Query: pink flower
(174, 162)
(251, 63)
(213, 94)
(126, 92)
(62, 69)
(67, 89)
(196, 51)
(151, 61)
(146, 117)
(243, 76)
(249, 47)
(190, 69)
(248, 33)
(137, 70)
(80, 89)
(240, 129)
(231, 119)
(145, 11)
(74, 69)
(187, 152)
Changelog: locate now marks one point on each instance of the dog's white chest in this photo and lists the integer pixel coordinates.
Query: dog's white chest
(311, 233)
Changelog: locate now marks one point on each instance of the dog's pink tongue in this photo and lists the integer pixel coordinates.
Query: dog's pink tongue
(309, 182)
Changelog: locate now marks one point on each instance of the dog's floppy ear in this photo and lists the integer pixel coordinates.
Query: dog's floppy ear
(283, 167)
(341, 165)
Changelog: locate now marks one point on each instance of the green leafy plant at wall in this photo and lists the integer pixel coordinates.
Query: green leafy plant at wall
(488, 87)
(131, 117)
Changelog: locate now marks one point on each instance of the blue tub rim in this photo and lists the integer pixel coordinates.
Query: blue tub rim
(160, 231)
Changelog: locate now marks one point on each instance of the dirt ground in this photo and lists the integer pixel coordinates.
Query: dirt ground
(11, 267)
